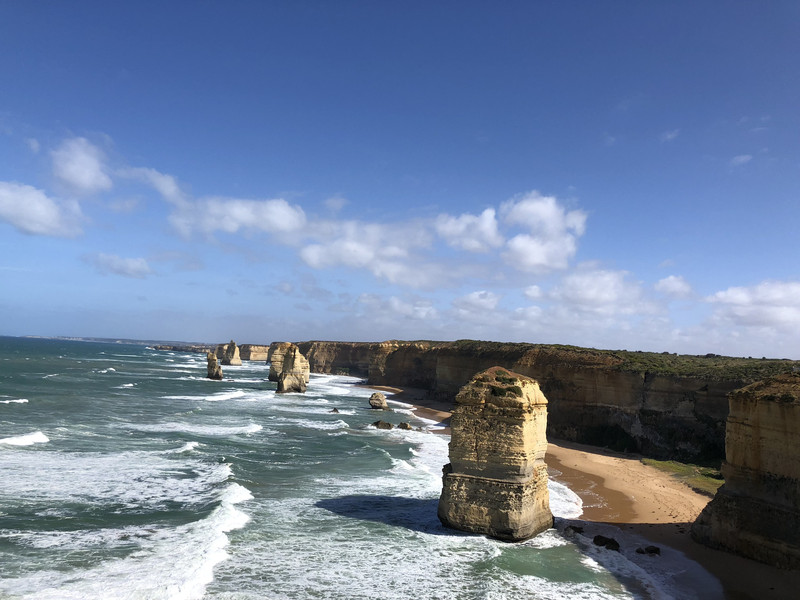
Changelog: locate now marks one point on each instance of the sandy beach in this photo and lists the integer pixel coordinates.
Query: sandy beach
(618, 489)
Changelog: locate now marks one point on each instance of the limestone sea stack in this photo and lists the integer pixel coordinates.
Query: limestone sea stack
(496, 482)
(214, 370)
(230, 354)
(275, 358)
(756, 513)
(294, 373)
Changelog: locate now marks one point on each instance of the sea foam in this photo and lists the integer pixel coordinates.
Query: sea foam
(29, 439)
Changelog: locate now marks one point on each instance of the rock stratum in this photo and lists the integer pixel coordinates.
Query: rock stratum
(496, 481)
(756, 513)
(288, 367)
(662, 405)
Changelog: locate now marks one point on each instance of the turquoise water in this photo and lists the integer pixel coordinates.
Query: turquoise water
(127, 474)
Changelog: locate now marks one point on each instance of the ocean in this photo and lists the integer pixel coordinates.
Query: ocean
(125, 473)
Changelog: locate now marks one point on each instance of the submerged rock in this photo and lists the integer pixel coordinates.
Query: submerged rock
(496, 482)
(214, 371)
(383, 425)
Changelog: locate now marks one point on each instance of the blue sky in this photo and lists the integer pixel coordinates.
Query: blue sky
(614, 175)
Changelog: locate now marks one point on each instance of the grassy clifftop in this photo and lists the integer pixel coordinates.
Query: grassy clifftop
(709, 366)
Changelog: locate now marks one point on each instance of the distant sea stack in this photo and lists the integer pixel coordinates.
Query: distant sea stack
(756, 513)
(214, 370)
(229, 353)
(288, 367)
(496, 482)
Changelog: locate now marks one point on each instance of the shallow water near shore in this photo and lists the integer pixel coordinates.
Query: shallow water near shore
(127, 474)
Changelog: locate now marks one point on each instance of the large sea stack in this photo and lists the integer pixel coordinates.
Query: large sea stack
(756, 513)
(294, 371)
(214, 371)
(496, 482)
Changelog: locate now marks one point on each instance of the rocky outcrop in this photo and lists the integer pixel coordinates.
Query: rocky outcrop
(662, 405)
(756, 513)
(275, 358)
(496, 482)
(214, 371)
(378, 401)
(230, 354)
(253, 352)
(292, 373)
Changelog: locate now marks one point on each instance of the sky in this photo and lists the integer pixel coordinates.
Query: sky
(619, 175)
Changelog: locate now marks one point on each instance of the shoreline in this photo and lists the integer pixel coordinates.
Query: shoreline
(618, 489)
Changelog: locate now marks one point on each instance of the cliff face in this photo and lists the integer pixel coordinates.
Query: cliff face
(756, 513)
(496, 482)
(604, 398)
(253, 352)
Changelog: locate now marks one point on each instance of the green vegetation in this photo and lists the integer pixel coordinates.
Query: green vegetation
(702, 479)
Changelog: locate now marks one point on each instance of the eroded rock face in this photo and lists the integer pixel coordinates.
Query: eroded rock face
(214, 370)
(294, 372)
(756, 513)
(496, 482)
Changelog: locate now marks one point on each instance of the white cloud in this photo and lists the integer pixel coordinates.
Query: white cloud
(336, 203)
(533, 292)
(166, 185)
(111, 264)
(670, 135)
(741, 159)
(392, 307)
(601, 292)
(230, 215)
(674, 286)
(553, 236)
(80, 165)
(33, 145)
(470, 232)
(31, 211)
(480, 301)
(772, 304)
(385, 251)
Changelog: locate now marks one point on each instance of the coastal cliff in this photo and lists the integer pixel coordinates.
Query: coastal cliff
(496, 481)
(253, 352)
(662, 405)
(756, 513)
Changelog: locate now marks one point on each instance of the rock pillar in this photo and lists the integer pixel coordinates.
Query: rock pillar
(294, 373)
(496, 482)
(214, 370)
